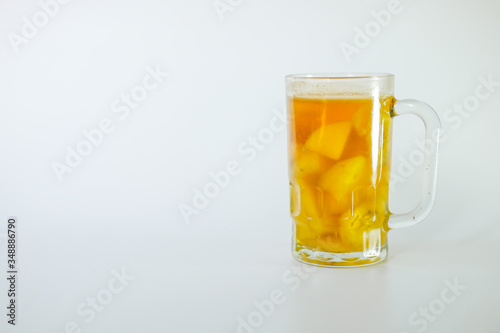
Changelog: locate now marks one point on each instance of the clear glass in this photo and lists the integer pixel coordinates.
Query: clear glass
(339, 148)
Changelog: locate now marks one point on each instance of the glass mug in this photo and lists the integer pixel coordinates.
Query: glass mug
(339, 149)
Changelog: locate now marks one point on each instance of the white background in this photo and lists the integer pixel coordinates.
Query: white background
(118, 210)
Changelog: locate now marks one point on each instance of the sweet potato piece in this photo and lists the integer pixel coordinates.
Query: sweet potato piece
(343, 177)
(309, 162)
(330, 140)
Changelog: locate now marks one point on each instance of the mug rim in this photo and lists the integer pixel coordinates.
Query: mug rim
(339, 76)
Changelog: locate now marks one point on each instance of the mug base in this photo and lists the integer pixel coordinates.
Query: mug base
(334, 259)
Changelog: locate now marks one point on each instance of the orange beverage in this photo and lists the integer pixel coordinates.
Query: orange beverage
(340, 137)
(339, 169)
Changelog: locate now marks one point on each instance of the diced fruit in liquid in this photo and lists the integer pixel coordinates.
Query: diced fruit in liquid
(343, 177)
(310, 199)
(306, 201)
(330, 140)
(361, 120)
(344, 202)
(309, 162)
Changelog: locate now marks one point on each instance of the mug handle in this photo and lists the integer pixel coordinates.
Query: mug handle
(432, 135)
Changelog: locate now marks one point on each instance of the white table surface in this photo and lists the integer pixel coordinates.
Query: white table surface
(106, 249)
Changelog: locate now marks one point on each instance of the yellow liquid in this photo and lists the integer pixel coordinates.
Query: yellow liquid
(339, 151)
